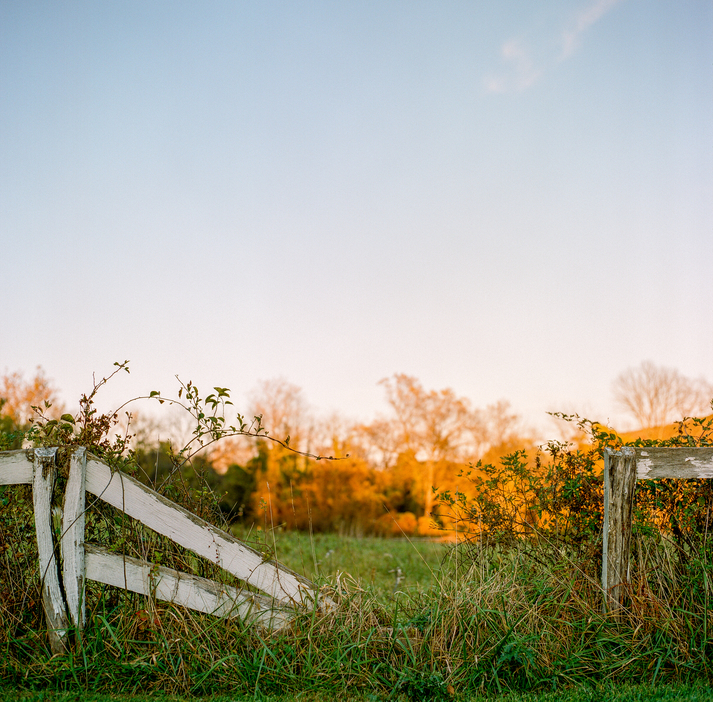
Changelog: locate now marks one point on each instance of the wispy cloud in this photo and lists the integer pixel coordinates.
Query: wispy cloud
(583, 21)
(524, 71)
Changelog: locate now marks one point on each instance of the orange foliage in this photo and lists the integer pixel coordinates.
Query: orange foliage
(233, 450)
(397, 524)
(18, 396)
(386, 484)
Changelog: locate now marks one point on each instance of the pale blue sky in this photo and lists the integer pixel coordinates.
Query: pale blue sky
(512, 199)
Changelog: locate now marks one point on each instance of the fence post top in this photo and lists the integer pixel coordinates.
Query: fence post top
(623, 451)
(46, 452)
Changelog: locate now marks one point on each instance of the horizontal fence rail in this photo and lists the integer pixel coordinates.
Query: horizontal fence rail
(683, 463)
(168, 585)
(16, 468)
(63, 592)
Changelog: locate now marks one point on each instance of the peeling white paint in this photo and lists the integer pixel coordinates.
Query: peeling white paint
(643, 467)
(15, 468)
(190, 591)
(703, 468)
(680, 463)
(52, 600)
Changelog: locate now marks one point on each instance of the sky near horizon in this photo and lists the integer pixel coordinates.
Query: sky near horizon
(510, 199)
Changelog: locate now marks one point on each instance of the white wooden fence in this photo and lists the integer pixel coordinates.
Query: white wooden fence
(621, 471)
(285, 591)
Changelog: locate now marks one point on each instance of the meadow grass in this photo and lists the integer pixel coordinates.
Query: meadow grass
(381, 565)
(698, 692)
(500, 621)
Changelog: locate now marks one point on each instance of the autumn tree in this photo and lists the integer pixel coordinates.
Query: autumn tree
(434, 426)
(502, 432)
(380, 443)
(656, 395)
(283, 412)
(18, 396)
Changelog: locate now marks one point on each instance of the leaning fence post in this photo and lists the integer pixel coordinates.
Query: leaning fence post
(73, 568)
(619, 485)
(52, 600)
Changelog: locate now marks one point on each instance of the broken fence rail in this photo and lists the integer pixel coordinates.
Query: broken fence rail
(285, 591)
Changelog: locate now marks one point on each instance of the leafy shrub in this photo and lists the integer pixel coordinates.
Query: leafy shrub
(554, 500)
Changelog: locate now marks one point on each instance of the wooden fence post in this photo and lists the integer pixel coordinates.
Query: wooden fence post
(52, 600)
(73, 568)
(619, 485)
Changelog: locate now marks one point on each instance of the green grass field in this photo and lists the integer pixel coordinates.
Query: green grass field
(506, 623)
(416, 620)
(381, 566)
(627, 693)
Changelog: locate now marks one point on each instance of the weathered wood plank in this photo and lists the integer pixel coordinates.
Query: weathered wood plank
(190, 591)
(72, 542)
(191, 532)
(619, 486)
(15, 468)
(52, 600)
(654, 462)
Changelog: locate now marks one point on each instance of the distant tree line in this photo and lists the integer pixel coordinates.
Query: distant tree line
(385, 472)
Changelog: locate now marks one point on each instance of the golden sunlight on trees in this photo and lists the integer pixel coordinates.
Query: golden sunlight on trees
(18, 396)
(434, 427)
(502, 432)
(656, 395)
(283, 410)
(386, 471)
(278, 471)
(383, 481)
(233, 450)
